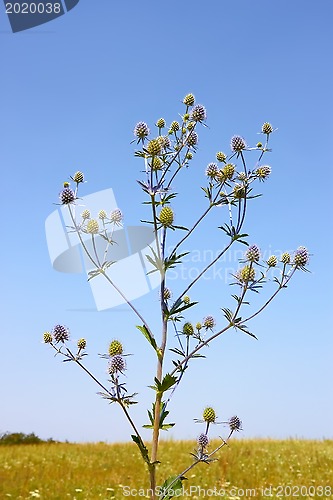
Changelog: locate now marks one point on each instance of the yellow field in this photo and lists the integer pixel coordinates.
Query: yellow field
(246, 469)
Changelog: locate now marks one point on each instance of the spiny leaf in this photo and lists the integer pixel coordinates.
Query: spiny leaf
(143, 329)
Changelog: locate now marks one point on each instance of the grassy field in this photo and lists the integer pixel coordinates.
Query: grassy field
(286, 469)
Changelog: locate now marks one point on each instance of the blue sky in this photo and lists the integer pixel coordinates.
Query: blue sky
(71, 93)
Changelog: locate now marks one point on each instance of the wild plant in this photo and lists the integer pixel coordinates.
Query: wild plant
(231, 181)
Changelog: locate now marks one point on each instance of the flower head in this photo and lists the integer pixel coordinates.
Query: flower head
(221, 156)
(160, 123)
(85, 214)
(189, 100)
(198, 113)
(166, 216)
(209, 322)
(301, 257)
(47, 337)
(209, 415)
(154, 147)
(60, 333)
(82, 343)
(186, 299)
(192, 139)
(116, 216)
(267, 128)
(235, 423)
(203, 440)
(174, 127)
(115, 347)
(141, 130)
(117, 364)
(237, 143)
(263, 172)
(92, 226)
(272, 261)
(239, 191)
(188, 329)
(211, 170)
(167, 294)
(67, 196)
(102, 214)
(78, 177)
(246, 274)
(252, 254)
(285, 258)
(228, 171)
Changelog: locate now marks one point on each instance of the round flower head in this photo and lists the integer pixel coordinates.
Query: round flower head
(82, 343)
(237, 143)
(186, 299)
(228, 171)
(209, 322)
(166, 216)
(156, 163)
(85, 214)
(102, 214)
(239, 191)
(203, 440)
(235, 423)
(117, 364)
(189, 155)
(78, 177)
(167, 294)
(267, 128)
(190, 125)
(252, 254)
(160, 123)
(192, 139)
(92, 226)
(301, 257)
(174, 127)
(188, 329)
(285, 258)
(154, 147)
(141, 130)
(189, 100)
(60, 333)
(47, 337)
(67, 196)
(221, 156)
(272, 261)
(263, 172)
(198, 113)
(116, 216)
(242, 176)
(211, 170)
(115, 347)
(66, 184)
(259, 145)
(209, 415)
(164, 142)
(246, 274)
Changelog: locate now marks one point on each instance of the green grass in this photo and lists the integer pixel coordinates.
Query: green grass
(88, 471)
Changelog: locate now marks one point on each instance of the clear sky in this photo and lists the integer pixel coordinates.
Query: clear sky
(71, 93)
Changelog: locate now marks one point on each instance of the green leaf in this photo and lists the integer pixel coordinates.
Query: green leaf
(142, 448)
(170, 487)
(176, 309)
(143, 329)
(167, 382)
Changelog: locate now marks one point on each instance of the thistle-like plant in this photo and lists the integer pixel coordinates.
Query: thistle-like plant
(230, 184)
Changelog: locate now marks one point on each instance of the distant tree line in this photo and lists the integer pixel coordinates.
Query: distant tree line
(11, 438)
